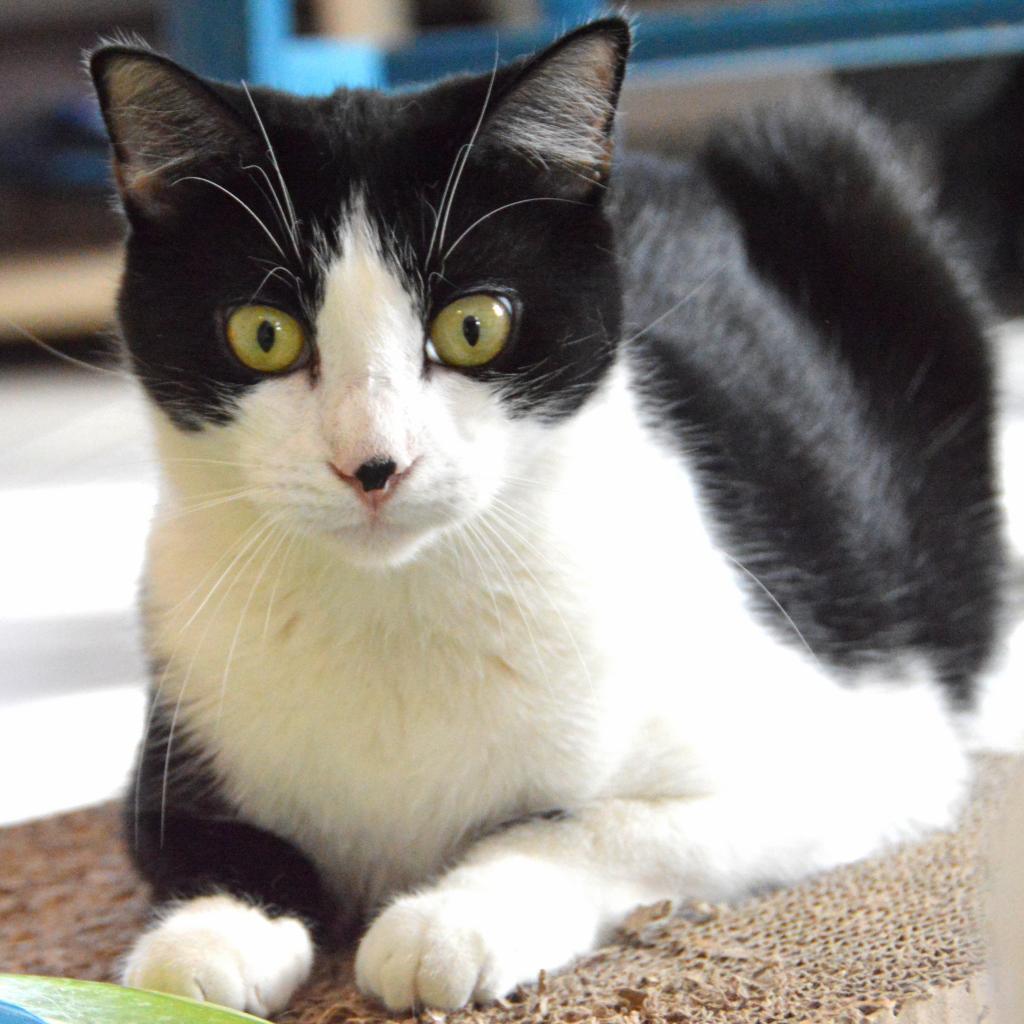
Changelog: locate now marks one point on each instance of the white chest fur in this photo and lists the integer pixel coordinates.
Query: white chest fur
(380, 719)
(587, 642)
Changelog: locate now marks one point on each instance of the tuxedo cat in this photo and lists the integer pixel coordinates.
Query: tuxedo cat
(540, 534)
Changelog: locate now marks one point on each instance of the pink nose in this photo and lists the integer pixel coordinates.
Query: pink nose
(374, 480)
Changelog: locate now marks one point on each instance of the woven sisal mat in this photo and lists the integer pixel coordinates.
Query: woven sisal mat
(897, 938)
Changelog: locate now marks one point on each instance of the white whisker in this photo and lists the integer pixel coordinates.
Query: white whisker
(257, 540)
(293, 535)
(286, 195)
(266, 277)
(570, 635)
(241, 202)
(774, 600)
(468, 538)
(528, 621)
(259, 522)
(63, 356)
(267, 538)
(465, 151)
(271, 197)
(699, 287)
(507, 206)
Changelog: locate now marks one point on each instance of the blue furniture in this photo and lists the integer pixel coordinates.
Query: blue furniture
(256, 40)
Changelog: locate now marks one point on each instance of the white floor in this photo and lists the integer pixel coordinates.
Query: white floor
(77, 486)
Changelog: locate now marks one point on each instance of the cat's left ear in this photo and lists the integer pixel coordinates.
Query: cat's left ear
(559, 111)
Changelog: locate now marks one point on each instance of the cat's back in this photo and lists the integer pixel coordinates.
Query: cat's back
(801, 322)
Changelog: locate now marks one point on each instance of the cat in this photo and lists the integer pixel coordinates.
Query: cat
(542, 532)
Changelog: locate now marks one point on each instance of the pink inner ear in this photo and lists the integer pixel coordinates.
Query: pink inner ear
(162, 121)
(143, 186)
(561, 112)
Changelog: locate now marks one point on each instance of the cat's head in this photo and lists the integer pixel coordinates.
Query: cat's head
(367, 311)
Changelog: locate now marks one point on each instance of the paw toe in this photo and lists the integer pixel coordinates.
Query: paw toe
(421, 954)
(222, 951)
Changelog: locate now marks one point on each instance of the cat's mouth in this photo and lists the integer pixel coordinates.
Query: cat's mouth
(378, 541)
(389, 532)
(400, 513)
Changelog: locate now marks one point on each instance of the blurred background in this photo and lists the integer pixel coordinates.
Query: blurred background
(77, 483)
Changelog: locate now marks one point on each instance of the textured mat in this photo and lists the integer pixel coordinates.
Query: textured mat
(896, 938)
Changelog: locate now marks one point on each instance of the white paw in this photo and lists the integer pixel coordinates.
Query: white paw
(221, 950)
(442, 949)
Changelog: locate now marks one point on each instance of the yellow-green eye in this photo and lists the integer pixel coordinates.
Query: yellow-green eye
(266, 339)
(471, 331)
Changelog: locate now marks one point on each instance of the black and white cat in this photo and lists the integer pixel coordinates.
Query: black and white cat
(537, 539)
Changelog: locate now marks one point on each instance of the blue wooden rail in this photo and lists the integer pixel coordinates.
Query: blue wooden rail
(256, 40)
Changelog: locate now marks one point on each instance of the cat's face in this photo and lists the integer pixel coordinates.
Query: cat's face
(369, 312)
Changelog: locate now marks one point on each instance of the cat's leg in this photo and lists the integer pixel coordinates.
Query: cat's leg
(541, 893)
(237, 908)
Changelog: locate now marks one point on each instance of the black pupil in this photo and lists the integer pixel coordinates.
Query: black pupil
(266, 335)
(471, 329)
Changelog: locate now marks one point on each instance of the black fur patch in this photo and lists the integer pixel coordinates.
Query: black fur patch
(185, 840)
(828, 374)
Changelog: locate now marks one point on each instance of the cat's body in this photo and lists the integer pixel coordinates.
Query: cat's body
(689, 599)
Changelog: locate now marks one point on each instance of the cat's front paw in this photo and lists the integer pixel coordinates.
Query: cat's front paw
(443, 950)
(221, 950)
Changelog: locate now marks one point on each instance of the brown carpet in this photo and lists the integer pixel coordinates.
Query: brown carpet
(894, 938)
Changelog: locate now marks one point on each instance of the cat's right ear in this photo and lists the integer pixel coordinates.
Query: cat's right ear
(559, 111)
(164, 124)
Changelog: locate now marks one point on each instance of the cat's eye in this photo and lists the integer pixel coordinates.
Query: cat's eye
(266, 339)
(470, 331)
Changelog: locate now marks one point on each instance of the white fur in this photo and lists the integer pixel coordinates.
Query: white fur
(521, 629)
(219, 949)
(997, 724)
